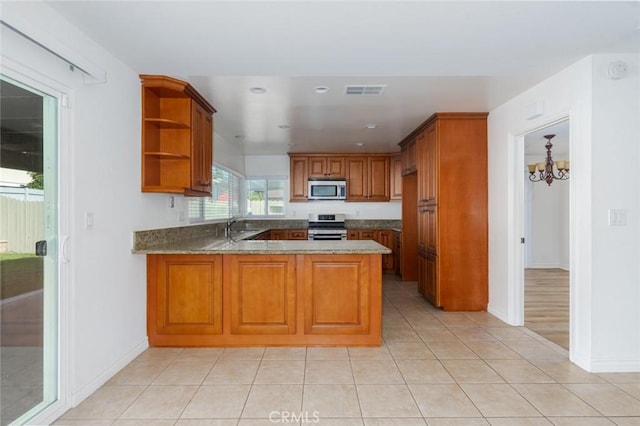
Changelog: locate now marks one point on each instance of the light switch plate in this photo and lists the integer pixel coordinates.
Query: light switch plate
(617, 217)
(88, 220)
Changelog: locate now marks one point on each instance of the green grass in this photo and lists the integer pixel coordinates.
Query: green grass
(20, 273)
(13, 256)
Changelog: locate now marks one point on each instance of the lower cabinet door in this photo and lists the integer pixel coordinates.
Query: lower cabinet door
(262, 293)
(184, 295)
(337, 298)
(422, 273)
(431, 289)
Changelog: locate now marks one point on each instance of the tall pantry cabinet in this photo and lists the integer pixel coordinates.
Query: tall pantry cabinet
(451, 162)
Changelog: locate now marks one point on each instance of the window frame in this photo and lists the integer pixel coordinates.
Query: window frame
(233, 175)
(284, 183)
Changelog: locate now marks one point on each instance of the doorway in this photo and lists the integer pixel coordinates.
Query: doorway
(29, 344)
(547, 250)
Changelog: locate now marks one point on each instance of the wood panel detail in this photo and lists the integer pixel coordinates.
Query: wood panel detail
(336, 295)
(263, 294)
(265, 300)
(185, 294)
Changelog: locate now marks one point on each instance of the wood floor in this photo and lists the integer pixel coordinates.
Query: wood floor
(546, 304)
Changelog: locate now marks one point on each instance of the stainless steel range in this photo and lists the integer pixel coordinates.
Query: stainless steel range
(327, 227)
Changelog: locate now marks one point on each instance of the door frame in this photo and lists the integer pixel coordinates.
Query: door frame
(516, 252)
(65, 311)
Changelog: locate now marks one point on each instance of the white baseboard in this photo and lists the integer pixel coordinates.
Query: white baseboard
(497, 313)
(615, 366)
(545, 266)
(79, 395)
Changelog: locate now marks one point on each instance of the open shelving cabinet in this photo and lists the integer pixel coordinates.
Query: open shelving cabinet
(177, 137)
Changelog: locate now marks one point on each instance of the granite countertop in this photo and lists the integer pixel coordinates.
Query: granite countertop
(209, 239)
(229, 246)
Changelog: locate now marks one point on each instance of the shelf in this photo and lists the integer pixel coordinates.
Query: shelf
(167, 155)
(164, 188)
(163, 123)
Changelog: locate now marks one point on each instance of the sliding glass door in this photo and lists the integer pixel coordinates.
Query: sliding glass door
(28, 251)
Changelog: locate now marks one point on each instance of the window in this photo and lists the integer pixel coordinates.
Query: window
(265, 196)
(225, 197)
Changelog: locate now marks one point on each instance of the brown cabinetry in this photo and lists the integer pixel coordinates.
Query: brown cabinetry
(264, 300)
(385, 237)
(262, 294)
(278, 234)
(331, 166)
(427, 164)
(298, 177)
(397, 252)
(184, 297)
(288, 234)
(177, 137)
(337, 297)
(381, 236)
(452, 210)
(408, 155)
(395, 183)
(368, 178)
(297, 234)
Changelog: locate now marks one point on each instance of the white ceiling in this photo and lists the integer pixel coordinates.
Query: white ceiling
(432, 56)
(534, 142)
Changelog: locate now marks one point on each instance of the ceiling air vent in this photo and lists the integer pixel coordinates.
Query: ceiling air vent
(365, 89)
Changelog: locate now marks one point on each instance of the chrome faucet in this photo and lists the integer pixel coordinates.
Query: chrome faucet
(227, 228)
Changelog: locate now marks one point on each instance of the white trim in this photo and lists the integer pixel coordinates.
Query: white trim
(497, 313)
(516, 262)
(515, 152)
(38, 81)
(45, 39)
(604, 366)
(547, 266)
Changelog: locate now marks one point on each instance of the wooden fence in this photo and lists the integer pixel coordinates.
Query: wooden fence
(21, 224)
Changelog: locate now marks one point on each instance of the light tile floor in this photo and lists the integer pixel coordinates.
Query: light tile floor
(435, 368)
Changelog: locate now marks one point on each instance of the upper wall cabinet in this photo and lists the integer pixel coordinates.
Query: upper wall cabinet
(368, 178)
(395, 174)
(408, 155)
(177, 137)
(330, 166)
(367, 175)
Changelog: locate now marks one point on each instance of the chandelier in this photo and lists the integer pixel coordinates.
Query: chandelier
(545, 170)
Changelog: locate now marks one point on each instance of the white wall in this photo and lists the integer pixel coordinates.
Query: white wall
(605, 324)
(105, 315)
(226, 153)
(616, 249)
(278, 165)
(547, 236)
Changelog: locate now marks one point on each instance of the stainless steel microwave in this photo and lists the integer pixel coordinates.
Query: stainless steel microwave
(327, 189)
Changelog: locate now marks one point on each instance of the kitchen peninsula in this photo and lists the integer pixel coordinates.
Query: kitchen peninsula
(214, 291)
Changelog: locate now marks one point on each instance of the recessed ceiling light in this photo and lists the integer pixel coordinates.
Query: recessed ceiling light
(321, 89)
(359, 143)
(371, 126)
(258, 90)
(284, 126)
